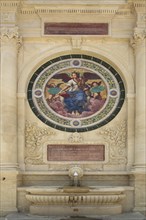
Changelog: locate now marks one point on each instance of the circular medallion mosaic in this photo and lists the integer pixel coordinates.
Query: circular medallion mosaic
(76, 93)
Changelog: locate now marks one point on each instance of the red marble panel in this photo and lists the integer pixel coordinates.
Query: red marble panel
(75, 152)
(76, 28)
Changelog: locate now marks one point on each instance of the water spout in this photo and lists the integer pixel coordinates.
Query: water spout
(76, 179)
(75, 173)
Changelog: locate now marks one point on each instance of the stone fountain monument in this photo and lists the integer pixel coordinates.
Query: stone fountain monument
(75, 199)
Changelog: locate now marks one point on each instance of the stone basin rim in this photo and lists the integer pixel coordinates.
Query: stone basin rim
(58, 189)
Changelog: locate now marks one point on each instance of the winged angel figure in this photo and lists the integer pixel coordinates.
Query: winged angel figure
(75, 92)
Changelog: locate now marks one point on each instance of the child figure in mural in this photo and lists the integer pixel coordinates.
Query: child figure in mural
(75, 98)
(96, 89)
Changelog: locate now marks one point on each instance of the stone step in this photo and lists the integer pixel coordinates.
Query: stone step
(125, 216)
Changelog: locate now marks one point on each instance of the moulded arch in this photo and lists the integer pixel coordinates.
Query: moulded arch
(37, 61)
(116, 64)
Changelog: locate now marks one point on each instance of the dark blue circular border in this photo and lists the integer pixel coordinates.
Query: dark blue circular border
(72, 56)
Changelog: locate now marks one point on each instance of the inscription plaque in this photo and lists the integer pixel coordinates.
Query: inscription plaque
(76, 153)
(76, 28)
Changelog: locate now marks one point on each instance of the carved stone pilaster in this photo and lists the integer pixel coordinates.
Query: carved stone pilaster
(139, 45)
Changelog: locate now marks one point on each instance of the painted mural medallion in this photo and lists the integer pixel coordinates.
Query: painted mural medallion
(76, 93)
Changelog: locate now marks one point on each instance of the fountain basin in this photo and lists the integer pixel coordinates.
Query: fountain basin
(90, 200)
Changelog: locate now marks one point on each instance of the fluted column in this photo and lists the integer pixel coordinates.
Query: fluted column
(130, 130)
(139, 42)
(139, 168)
(8, 151)
(21, 129)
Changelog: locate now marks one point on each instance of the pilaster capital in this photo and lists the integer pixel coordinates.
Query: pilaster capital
(10, 35)
(9, 32)
(138, 37)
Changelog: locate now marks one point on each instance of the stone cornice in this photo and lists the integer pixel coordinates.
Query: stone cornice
(45, 7)
(79, 2)
(140, 3)
(105, 10)
(48, 10)
(8, 3)
(8, 11)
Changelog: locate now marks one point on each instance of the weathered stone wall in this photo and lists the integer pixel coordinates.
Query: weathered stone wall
(24, 138)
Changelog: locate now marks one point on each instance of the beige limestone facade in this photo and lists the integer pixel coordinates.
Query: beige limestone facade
(29, 182)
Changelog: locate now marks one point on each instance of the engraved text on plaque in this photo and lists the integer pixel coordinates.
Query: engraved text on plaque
(75, 152)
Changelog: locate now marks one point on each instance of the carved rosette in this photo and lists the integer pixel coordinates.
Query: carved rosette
(116, 138)
(34, 139)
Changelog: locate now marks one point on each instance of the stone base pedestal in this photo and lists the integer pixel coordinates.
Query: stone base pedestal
(8, 191)
(140, 192)
(76, 210)
(125, 216)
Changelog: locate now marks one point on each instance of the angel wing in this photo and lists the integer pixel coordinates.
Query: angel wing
(90, 75)
(97, 89)
(63, 76)
(54, 91)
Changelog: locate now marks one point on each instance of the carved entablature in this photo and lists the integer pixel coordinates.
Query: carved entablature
(7, 17)
(8, 11)
(10, 4)
(140, 5)
(48, 10)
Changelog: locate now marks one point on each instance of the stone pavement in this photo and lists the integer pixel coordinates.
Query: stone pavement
(125, 216)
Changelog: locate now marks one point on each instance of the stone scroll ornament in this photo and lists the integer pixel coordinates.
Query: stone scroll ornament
(76, 93)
